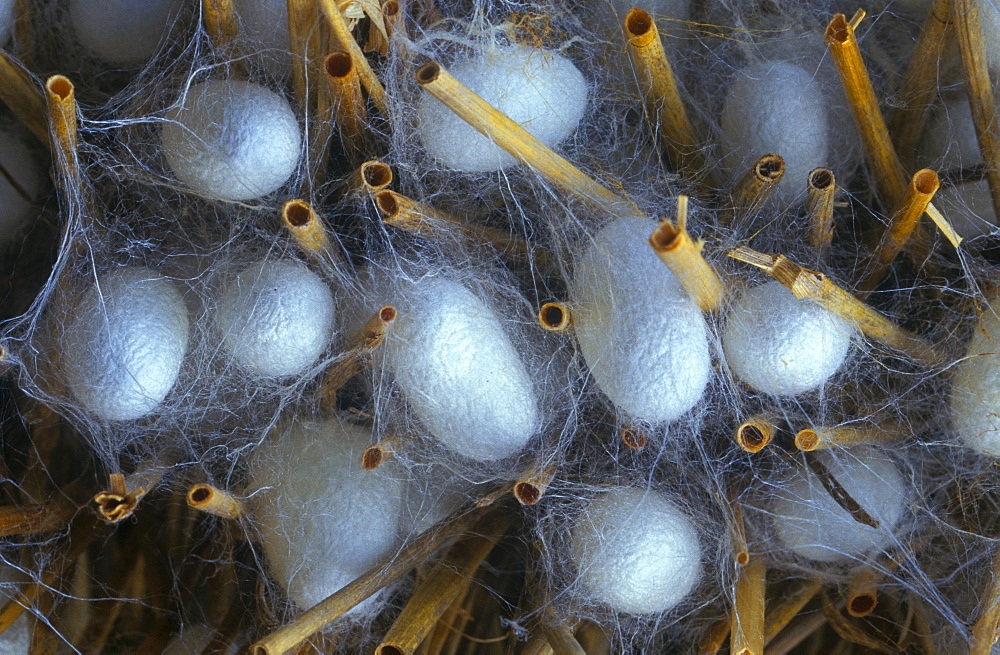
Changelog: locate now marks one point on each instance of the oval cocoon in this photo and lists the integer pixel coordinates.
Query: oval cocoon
(231, 139)
(811, 523)
(276, 317)
(644, 339)
(125, 32)
(783, 345)
(459, 370)
(541, 91)
(975, 389)
(323, 520)
(264, 25)
(123, 347)
(636, 551)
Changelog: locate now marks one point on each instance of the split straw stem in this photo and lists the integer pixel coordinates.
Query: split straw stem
(747, 632)
(60, 95)
(358, 354)
(821, 191)
(755, 187)
(22, 96)
(683, 256)
(338, 26)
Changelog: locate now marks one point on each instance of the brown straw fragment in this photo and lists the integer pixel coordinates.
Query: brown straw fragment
(60, 95)
(840, 494)
(736, 528)
(836, 436)
(357, 355)
(438, 591)
(987, 626)
(120, 500)
(820, 289)
(716, 635)
(555, 317)
(304, 40)
(683, 256)
(659, 86)
(343, 36)
(348, 105)
(23, 97)
(306, 227)
(34, 519)
(754, 434)
(559, 635)
(531, 485)
(747, 632)
(862, 591)
(206, 498)
(789, 606)
(386, 448)
(754, 188)
(822, 188)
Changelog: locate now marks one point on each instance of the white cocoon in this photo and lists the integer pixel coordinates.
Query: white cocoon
(264, 25)
(20, 162)
(540, 90)
(323, 520)
(644, 339)
(775, 107)
(459, 370)
(808, 521)
(636, 551)
(123, 346)
(231, 139)
(781, 345)
(124, 32)
(276, 317)
(975, 389)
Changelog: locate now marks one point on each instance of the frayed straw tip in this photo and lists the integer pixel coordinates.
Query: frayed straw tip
(555, 317)
(376, 175)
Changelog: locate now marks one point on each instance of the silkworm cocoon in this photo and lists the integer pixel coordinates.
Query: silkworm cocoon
(275, 317)
(775, 107)
(643, 337)
(124, 32)
(636, 551)
(781, 345)
(6, 20)
(975, 391)
(810, 522)
(264, 25)
(322, 519)
(231, 139)
(123, 347)
(459, 370)
(21, 163)
(542, 91)
(950, 142)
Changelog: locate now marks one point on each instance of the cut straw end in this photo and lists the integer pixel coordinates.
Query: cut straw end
(634, 438)
(555, 317)
(206, 498)
(380, 453)
(755, 434)
(376, 175)
(862, 591)
(530, 488)
(306, 227)
(358, 354)
(807, 440)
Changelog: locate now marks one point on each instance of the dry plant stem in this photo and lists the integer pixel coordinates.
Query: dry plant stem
(969, 33)
(358, 353)
(919, 88)
(987, 626)
(306, 227)
(923, 185)
(797, 632)
(592, 638)
(555, 317)
(560, 636)
(786, 609)
(371, 177)
(533, 483)
(836, 436)
(206, 498)
(822, 188)
(862, 591)
(385, 572)
(754, 434)
(887, 169)
(446, 581)
(301, 32)
(820, 289)
(33, 519)
(395, 20)
(120, 501)
(755, 187)
(659, 85)
(220, 23)
(60, 96)
(377, 455)
(747, 632)
(23, 97)
(683, 256)
(517, 141)
(715, 637)
(342, 35)
(349, 106)
(737, 528)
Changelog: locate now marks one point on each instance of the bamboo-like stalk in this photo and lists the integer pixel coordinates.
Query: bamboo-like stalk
(635, 438)
(385, 572)
(788, 607)
(124, 494)
(887, 169)
(682, 255)
(34, 519)
(206, 498)
(555, 317)
(343, 36)
(306, 227)
(446, 581)
(755, 187)
(923, 185)
(517, 141)
(21, 94)
(301, 36)
(754, 434)
(60, 95)
(862, 591)
(531, 485)
(920, 81)
(836, 436)
(747, 632)
(969, 32)
(797, 631)
(349, 106)
(395, 20)
(822, 188)
(371, 177)
(219, 18)
(659, 86)
(987, 625)
(386, 448)
(358, 354)
(820, 289)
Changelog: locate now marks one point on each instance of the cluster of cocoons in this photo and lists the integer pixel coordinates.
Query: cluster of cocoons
(975, 394)
(231, 139)
(322, 519)
(459, 370)
(811, 523)
(782, 345)
(643, 337)
(775, 107)
(122, 32)
(541, 91)
(636, 551)
(122, 349)
(275, 317)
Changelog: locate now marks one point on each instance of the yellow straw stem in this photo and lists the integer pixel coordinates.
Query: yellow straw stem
(683, 256)
(220, 22)
(33, 519)
(206, 498)
(747, 631)
(304, 39)
(837, 436)
(61, 98)
(822, 188)
(755, 187)
(534, 482)
(358, 354)
(371, 177)
(20, 93)
(120, 500)
(862, 591)
(555, 317)
(737, 529)
(343, 36)
(345, 86)
(754, 434)
(306, 227)
(788, 607)
(377, 455)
